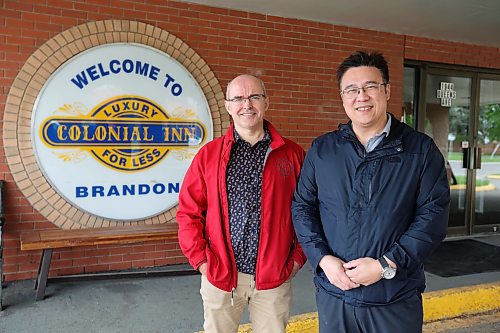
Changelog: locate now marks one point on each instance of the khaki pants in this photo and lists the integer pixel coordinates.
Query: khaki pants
(269, 309)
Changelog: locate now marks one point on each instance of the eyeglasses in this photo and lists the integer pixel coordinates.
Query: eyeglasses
(255, 98)
(370, 89)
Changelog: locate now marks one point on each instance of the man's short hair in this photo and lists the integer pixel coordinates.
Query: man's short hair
(362, 58)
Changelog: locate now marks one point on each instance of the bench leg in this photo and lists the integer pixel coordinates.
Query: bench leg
(1, 273)
(43, 273)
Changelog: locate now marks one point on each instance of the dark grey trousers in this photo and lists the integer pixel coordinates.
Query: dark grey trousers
(335, 316)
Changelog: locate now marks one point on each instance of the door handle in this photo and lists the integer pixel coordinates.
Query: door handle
(471, 158)
(476, 161)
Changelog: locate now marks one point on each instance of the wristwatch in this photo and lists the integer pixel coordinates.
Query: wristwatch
(387, 271)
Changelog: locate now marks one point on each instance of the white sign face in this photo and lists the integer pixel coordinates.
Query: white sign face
(446, 93)
(116, 127)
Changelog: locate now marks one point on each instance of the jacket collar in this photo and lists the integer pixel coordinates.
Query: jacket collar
(396, 130)
(276, 139)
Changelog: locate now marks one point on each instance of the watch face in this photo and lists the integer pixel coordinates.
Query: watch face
(389, 273)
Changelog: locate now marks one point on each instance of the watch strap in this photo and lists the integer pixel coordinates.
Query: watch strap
(384, 262)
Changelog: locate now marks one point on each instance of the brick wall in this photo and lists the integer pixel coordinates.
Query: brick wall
(296, 59)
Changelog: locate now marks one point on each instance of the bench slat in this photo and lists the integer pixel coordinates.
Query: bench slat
(60, 238)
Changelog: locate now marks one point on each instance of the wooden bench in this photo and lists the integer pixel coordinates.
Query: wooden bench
(47, 240)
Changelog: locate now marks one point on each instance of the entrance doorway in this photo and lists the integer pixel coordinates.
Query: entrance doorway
(460, 110)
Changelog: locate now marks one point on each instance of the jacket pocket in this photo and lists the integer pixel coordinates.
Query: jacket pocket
(376, 293)
(212, 262)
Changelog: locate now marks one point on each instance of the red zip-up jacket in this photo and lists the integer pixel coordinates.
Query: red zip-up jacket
(203, 213)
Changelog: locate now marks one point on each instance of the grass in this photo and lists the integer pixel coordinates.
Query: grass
(479, 182)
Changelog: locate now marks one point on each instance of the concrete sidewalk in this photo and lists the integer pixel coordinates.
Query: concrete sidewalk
(173, 304)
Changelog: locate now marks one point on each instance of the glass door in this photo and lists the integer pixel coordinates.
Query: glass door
(486, 215)
(460, 110)
(447, 119)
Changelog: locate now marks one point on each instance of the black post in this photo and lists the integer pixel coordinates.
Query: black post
(1, 244)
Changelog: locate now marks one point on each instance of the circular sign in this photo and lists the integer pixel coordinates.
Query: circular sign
(115, 128)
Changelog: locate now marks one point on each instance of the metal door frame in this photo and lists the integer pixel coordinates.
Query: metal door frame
(478, 229)
(422, 69)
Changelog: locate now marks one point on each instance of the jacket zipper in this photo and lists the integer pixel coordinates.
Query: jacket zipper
(370, 191)
(226, 213)
(261, 210)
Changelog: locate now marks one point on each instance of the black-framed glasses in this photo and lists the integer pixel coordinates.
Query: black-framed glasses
(371, 89)
(254, 98)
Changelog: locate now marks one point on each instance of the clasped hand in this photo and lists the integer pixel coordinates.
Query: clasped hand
(345, 276)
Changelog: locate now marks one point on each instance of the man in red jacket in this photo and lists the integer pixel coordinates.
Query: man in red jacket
(234, 216)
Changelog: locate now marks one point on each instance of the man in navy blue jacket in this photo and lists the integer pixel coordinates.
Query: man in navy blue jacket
(370, 206)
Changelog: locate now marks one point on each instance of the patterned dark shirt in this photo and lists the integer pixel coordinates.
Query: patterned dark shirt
(244, 185)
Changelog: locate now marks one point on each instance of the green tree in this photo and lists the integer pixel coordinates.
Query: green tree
(459, 122)
(491, 123)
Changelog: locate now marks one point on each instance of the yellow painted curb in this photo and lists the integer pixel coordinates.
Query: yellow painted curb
(307, 322)
(455, 302)
(488, 187)
(438, 305)
(303, 323)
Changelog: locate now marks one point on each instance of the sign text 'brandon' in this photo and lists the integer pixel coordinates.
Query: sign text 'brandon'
(125, 190)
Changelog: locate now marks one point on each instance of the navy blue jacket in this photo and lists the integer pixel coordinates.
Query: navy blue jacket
(393, 201)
